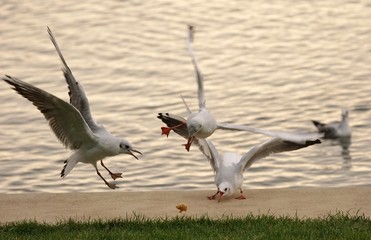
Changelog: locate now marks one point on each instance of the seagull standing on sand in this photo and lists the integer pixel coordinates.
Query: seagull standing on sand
(202, 124)
(73, 124)
(335, 129)
(229, 169)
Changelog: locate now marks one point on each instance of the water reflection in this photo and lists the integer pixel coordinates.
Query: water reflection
(345, 143)
(344, 149)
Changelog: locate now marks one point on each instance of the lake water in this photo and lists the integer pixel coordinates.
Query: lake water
(270, 65)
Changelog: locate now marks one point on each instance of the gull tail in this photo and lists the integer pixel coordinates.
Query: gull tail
(69, 164)
(320, 126)
(175, 123)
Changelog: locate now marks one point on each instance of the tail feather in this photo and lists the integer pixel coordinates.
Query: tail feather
(318, 125)
(177, 123)
(69, 164)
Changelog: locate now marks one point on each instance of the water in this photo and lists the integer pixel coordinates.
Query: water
(274, 66)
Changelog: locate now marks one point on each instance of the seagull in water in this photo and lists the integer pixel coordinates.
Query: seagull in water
(229, 169)
(335, 129)
(202, 124)
(73, 124)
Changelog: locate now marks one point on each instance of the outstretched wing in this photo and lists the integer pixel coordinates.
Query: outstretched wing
(200, 79)
(77, 95)
(64, 119)
(209, 150)
(297, 137)
(274, 145)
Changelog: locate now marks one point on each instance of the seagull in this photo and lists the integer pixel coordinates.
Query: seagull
(335, 129)
(202, 124)
(73, 124)
(229, 169)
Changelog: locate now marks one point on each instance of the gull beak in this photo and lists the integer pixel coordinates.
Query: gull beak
(132, 154)
(220, 196)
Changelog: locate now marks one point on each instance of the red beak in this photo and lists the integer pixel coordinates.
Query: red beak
(220, 196)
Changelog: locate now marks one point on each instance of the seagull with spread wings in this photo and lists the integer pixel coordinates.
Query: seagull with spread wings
(230, 167)
(73, 124)
(202, 124)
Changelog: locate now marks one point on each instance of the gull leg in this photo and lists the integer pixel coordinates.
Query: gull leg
(189, 143)
(110, 185)
(113, 175)
(241, 197)
(213, 196)
(166, 130)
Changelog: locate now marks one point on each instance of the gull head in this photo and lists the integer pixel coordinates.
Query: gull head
(225, 189)
(344, 113)
(126, 148)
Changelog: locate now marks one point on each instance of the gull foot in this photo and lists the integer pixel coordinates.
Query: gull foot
(211, 197)
(187, 146)
(165, 131)
(116, 175)
(241, 197)
(112, 185)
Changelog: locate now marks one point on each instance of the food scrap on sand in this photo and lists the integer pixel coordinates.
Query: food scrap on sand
(182, 207)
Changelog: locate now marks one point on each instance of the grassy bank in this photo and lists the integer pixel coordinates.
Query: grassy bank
(338, 226)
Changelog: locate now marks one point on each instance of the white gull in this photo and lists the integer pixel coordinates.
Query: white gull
(230, 168)
(335, 129)
(202, 124)
(73, 124)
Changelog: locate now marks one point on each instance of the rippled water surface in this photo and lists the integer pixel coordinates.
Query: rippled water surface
(274, 66)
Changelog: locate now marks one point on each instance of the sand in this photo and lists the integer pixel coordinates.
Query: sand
(304, 203)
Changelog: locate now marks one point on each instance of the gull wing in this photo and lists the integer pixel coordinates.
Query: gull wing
(297, 137)
(177, 123)
(200, 79)
(209, 150)
(64, 119)
(273, 145)
(186, 105)
(77, 95)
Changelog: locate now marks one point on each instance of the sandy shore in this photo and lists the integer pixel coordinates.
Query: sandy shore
(306, 202)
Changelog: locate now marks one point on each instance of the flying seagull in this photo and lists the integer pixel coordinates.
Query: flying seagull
(202, 124)
(73, 124)
(229, 169)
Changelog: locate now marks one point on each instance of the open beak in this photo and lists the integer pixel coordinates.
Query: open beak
(132, 154)
(220, 196)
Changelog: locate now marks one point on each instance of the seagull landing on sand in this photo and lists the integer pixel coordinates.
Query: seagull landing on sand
(230, 168)
(202, 124)
(335, 129)
(73, 124)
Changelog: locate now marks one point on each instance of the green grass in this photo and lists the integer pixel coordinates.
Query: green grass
(338, 226)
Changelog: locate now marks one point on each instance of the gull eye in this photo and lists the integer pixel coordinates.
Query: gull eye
(225, 189)
(124, 146)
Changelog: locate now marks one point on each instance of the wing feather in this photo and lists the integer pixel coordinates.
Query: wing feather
(175, 122)
(64, 119)
(199, 76)
(271, 146)
(297, 137)
(77, 95)
(209, 150)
